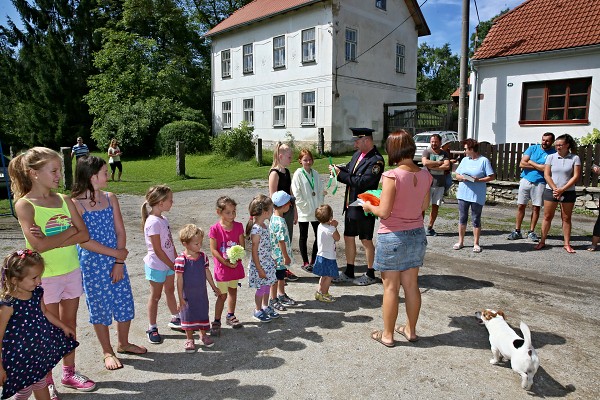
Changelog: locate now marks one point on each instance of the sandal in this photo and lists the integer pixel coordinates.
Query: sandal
(592, 248)
(400, 330)
(377, 336)
(111, 362)
(215, 329)
(133, 349)
(233, 322)
(458, 246)
(476, 249)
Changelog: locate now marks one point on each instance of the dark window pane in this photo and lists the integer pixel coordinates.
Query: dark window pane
(557, 88)
(578, 101)
(555, 102)
(580, 86)
(577, 113)
(555, 115)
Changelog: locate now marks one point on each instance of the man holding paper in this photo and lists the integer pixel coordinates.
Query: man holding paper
(362, 173)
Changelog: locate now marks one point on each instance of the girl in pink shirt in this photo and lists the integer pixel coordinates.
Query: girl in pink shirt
(223, 235)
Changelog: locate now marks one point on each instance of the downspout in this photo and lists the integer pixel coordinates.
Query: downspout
(474, 101)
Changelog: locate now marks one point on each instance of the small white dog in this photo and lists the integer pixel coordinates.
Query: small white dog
(508, 345)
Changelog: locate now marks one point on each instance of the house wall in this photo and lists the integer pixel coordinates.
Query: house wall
(361, 87)
(265, 81)
(347, 94)
(495, 118)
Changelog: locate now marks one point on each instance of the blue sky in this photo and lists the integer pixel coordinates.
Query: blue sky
(443, 18)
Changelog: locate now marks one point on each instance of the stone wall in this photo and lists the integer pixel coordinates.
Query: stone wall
(507, 192)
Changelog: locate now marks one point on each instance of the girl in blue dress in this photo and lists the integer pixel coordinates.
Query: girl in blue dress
(33, 341)
(105, 279)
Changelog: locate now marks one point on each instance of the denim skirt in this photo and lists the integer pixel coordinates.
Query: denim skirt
(325, 267)
(401, 250)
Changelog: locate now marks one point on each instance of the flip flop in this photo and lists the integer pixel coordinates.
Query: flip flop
(458, 246)
(400, 330)
(592, 248)
(476, 249)
(132, 349)
(569, 249)
(114, 360)
(377, 336)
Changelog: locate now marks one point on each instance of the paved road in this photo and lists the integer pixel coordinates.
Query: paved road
(324, 351)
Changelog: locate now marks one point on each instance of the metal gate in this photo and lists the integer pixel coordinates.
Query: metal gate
(418, 116)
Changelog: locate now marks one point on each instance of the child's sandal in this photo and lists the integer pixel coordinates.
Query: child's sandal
(215, 329)
(234, 322)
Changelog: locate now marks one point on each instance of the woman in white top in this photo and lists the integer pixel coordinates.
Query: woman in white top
(307, 188)
(114, 159)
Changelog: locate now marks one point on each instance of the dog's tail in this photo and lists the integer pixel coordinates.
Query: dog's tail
(526, 335)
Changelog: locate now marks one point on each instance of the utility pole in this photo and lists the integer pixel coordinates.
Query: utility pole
(464, 73)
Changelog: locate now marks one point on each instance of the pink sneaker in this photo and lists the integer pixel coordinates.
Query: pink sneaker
(79, 382)
(207, 341)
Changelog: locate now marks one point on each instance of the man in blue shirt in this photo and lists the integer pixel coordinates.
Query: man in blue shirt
(532, 184)
(80, 149)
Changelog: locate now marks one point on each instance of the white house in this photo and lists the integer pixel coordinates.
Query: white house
(304, 66)
(538, 70)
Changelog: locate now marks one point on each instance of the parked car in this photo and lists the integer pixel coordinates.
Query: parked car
(422, 141)
(4, 179)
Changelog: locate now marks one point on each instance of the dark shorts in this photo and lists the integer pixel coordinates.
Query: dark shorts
(567, 197)
(280, 274)
(115, 165)
(362, 227)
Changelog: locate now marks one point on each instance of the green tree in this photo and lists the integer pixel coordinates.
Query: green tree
(438, 72)
(52, 59)
(149, 75)
(481, 32)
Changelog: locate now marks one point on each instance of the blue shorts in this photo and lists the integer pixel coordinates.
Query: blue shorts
(399, 251)
(156, 275)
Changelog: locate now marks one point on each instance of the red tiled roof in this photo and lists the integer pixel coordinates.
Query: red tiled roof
(262, 9)
(543, 25)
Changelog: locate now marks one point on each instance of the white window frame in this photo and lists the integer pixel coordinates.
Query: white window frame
(351, 43)
(248, 111)
(309, 107)
(248, 58)
(309, 45)
(279, 52)
(381, 4)
(400, 58)
(226, 64)
(226, 114)
(279, 110)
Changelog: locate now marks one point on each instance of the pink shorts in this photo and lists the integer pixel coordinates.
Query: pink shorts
(63, 287)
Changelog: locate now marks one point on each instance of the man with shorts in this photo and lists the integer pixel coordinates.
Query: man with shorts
(532, 185)
(362, 173)
(437, 161)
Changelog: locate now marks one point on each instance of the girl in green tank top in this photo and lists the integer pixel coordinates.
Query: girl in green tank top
(51, 226)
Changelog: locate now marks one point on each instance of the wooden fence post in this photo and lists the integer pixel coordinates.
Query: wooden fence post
(67, 167)
(180, 158)
(258, 151)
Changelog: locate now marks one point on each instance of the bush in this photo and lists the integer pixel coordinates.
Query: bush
(591, 138)
(194, 134)
(237, 143)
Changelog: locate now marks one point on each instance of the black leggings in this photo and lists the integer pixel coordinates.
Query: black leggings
(304, 239)
(596, 228)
